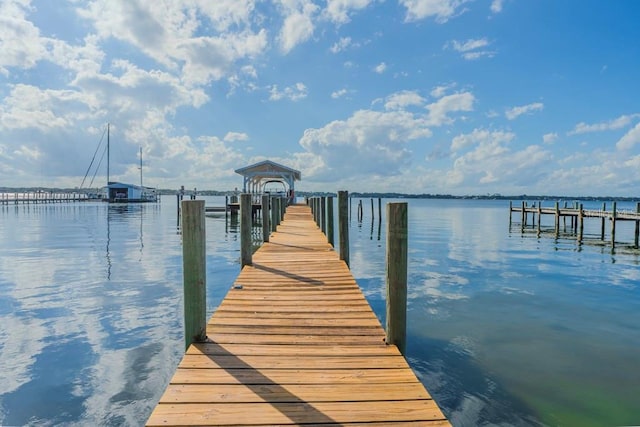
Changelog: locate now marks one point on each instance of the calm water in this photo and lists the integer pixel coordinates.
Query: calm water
(505, 328)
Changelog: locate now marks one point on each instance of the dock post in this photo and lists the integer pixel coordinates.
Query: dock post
(283, 208)
(523, 216)
(265, 218)
(557, 218)
(637, 231)
(580, 222)
(604, 208)
(373, 214)
(343, 225)
(533, 214)
(245, 229)
(539, 215)
(194, 271)
(323, 215)
(397, 239)
(330, 233)
(510, 210)
(613, 225)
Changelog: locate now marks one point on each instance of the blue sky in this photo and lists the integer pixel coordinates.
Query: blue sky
(415, 96)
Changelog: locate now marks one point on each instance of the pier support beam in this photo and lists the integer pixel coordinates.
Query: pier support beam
(330, 232)
(637, 230)
(613, 226)
(397, 249)
(265, 218)
(194, 271)
(246, 207)
(604, 209)
(343, 225)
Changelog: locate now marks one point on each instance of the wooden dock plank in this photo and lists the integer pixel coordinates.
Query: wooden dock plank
(295, 342)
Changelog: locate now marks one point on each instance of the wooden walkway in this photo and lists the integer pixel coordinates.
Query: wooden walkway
(294, 342)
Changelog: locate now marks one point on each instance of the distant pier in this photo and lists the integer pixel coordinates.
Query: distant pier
(41, 197)
(531, 217)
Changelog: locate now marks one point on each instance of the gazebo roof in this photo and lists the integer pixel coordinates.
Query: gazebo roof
(267, 169)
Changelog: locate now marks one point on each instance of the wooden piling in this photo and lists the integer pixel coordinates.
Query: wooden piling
(194, 271)
(557, 221)
(265, 218)
(323, 215)
(246, 207)
(343, 225)
(523, 219)
(397, 250)
(613, 225)
(580, 223)
(637, 231)
(274, 214)
(539, 215)
(602, 221)
(373, 214)
(330, 232)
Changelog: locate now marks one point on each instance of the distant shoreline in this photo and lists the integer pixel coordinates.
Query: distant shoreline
(357, 194)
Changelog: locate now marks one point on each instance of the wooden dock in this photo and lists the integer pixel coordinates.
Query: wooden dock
(577, 214)
(295, 342)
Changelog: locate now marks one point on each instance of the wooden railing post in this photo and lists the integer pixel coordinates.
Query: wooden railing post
(343, 225)
(194, 271)
(246, 207)
(330, 232)
(265, 218)
(274, 214)
(323, 215)
(397, 250)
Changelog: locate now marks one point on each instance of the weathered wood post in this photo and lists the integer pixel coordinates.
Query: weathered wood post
(265, 218)
(637, 231)
(373, 214)
(523, 216)
(557, 222)
(323, 215)
(194, 271)
(564, 218)
(539, 215)
(613, 225)
(283, 208)
(397, 250)
(246, 206)
(330, 232)
(533, 214)
(604, 209)
(580, 222)
(360, 210)
(510, 211)
(343, 225)
(274, 214)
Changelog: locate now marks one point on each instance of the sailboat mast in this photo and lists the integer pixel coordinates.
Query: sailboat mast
(108, 156)
(140, 168)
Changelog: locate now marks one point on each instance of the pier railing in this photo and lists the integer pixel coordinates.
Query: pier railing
(40, 197)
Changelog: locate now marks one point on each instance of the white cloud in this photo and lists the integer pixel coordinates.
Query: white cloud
(235, 136)
(441, 10)
(338, 10)
(439, 110)
(480, 136)
(298, 25)
(380, 68)
(618, 123)
(515, 112)
(368, 142)
(549, 138)
(492, 162)
(341, 44)
(496, 6)
(338, 93)
(293, 93)
(403, 99)
(439, 91)
(630, 139)
(472, 48)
